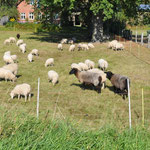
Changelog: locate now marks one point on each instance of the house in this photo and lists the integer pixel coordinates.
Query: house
(26, 11)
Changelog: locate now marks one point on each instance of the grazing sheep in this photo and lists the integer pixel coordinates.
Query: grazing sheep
(30, 57)
(86, 77)
(112, 43)
(83, 66)
(90, 64)
(7, 59)
(64, 41)
(49, 62)
(7, 53)
(60, 47)
(7, 42)
(85, 47)
(103, 75)
(79, 46)
(119, 83)
(35, 52)
(102, 64)
(74, 65)
(53, 76)
(12, 40)
(19, 42)
(14, 57)
(90, 45)
(18, 36)
(21, 89)
(118, 46)
(22, 48)
(7, 75)
(72, 47)
(70, 41)
(12, 67)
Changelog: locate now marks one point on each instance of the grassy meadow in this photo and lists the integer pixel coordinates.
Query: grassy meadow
(65, 101)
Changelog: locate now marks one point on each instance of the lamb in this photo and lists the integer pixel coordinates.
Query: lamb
(12, 67)
(74, 65)
(35, 52)
(64, 41)
(12, 40)
(90, 64)
(7, 42)
(53, 76)
(90, 45)
(86, 77)
(85, 47)
(49, 62)
(22, 48)
(103, 75)
(21, 89)
(7, 75)
(19, 42)
(112, 43)
(14, 58)
(83, 66)
(60, 47)
(72, 47)
(119, 83)
(102, 64)
(118, 46)
(7, 59)
(30, 57)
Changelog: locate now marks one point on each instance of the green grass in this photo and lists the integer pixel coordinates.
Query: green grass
(88, 109)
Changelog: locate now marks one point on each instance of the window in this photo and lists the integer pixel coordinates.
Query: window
(23, 16)
(31, 15)
(31, 2)
(40, 16)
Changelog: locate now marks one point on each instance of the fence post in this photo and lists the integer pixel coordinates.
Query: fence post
(149, 41)
(142, 39)
(129, 104)
(142, 108)
(38, 94)
(136, 36)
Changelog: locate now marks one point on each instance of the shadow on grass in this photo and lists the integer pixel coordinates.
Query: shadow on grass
(81, 34)
(18, 76)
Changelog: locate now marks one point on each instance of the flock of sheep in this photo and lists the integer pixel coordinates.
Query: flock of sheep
(85, 72)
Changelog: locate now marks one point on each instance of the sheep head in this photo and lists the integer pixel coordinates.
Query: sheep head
(109, 74)
(73, 71)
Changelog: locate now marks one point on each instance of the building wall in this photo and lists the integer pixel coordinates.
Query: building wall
(23, 7)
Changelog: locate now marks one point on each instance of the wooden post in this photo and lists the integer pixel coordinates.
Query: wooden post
(149, 41)
(136, 36)
(129, 104)
(38, 94)
(142, 39)
(142, 108)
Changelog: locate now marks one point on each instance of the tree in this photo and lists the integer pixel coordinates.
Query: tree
(95, 12)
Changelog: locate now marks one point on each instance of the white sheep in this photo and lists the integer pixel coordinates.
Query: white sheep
(85, 47)
(79, 46)
(89, 63)
(103, 64)
(35, 52)
(90, 45)
(53, 76)
(64, 41)
(72, 47)
(74, 65)
(12, 67)
(7, 42)
(103, 75)
(7, 75)
(49, 62)
(83, 66)
(60, 47)
(30, 57)
(118, 46)
(19, 42)
(112, 43)
(7, 53)
(12, 40)
(21, 89)
(14, 57)
(70, 41)
(7, 59)
(22, 48)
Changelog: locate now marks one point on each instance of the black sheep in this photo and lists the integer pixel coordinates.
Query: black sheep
(18, 36)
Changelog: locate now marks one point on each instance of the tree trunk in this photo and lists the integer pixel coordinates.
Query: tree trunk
(97, 30)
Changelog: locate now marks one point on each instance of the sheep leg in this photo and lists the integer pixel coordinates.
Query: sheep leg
(25, 98)
(98, 89)
(19, 96)
(29, 96)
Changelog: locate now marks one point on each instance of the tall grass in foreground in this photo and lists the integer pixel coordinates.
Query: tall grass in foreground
(38, 134)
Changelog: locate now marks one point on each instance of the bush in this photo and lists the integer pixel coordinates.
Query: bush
(48, 28)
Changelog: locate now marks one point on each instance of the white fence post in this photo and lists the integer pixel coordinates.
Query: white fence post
(129, 104)
(136, 36)
(149, 41)
(38, 94)
(142, 39)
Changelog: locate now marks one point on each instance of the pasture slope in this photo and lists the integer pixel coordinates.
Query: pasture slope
(88, 109)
